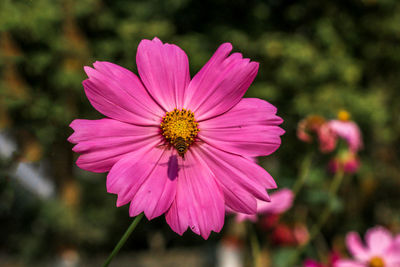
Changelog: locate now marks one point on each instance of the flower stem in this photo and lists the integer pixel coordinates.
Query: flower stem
(333, 188)
(255, 246)
(304, 171)
(337, 180)
(123, 239)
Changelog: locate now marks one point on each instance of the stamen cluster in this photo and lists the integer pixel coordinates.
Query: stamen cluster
(376, 262)
(178, 124)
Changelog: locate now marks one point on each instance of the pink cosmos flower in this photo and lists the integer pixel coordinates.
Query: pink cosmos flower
(315, 124)
(286, 235)
(281, 201)
(307, 126)
(333, 258)
(179, 146)
(381, 250)
(349, 131)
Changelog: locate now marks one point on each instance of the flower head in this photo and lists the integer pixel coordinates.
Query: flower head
(382, 249)
(179, 146)
(329, 131)
(308, 126)
(348, 130)
(317, 125)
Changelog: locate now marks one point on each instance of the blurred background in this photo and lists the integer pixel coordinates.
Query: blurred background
(316, 57)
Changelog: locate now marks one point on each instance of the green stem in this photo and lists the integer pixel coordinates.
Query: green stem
(334, 187)
(255, 246)
(304, 171)
(328, 208)
(123, 239)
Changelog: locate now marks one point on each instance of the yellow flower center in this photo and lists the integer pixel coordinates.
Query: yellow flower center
(376, 262)
(343, 115)
(180, 129)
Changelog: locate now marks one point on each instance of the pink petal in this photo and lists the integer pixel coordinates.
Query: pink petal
(397, 240)
(237, 198)
(281, 201)
(240, 217)
(156, 194)
(237, 174)
(103, 142)
(164, 70)
(220, 84)
(142, 178)
(349, 263)
(349, 131)
(199, 202)
(356, 247)
(392, 257)
(312, 263)
(118, 93)
(261, 112)
(378, 240)
(250, 128)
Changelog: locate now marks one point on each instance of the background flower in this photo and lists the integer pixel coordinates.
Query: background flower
(380, 249)
(349, 131)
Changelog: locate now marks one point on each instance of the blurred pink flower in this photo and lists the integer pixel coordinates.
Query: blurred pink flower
(381, 249)
(347, 160)
(349, 131)
(301, 233)
(327, 138)
(308, 126)
(179, 146)
(270, 221)
(286, 235)
(333, 258)
(281, 201)
(313, 263)
(317, 126)
(328, 132)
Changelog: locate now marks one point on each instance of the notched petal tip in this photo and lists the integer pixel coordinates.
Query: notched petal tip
(157, 40)
(72, 139)
(206, 235)
(146, 42)
(76, 123)
(226, 47)
(272, 184)
(279, 121)
(267, 198)
(103, 65)
(255, 66)
(88, 70)
(121, 203)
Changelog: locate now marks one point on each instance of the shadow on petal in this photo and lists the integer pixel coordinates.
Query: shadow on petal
(173, 167)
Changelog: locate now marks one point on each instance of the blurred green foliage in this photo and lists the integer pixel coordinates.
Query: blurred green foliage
(316, 57)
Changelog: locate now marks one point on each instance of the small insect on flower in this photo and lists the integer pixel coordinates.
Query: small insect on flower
(207, 131)
(181, 145)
